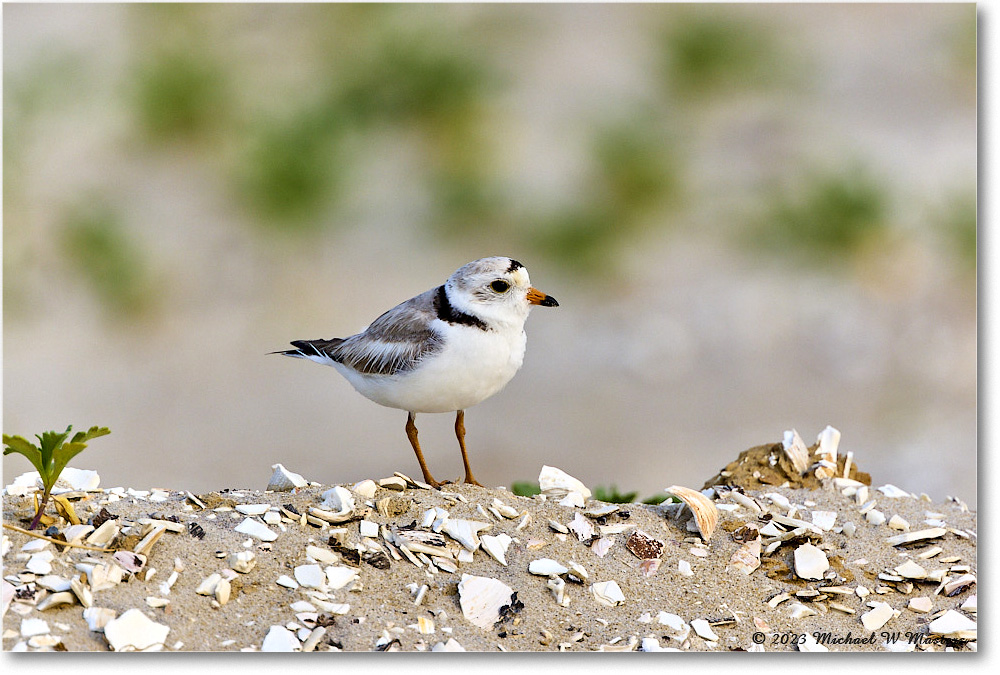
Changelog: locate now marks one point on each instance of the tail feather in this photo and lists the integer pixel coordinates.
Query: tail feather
(320, 351)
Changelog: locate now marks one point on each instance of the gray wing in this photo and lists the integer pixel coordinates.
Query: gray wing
(394, 343)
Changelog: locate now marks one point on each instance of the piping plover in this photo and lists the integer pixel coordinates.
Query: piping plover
(441, 351)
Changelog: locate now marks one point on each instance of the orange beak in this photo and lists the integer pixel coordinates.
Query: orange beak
(537, 297)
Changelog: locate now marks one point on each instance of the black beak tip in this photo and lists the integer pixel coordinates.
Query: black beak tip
(549, 301)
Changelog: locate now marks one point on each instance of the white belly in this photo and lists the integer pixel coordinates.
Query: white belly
(474, 365)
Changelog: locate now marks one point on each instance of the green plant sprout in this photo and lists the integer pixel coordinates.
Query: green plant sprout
(51, 456)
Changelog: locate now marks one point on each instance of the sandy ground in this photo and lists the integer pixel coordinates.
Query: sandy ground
(766, 607)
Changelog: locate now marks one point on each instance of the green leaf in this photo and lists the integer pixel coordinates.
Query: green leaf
(90, 434)
(63, 455)
(49, 443)
(525, 488)
(24, 447)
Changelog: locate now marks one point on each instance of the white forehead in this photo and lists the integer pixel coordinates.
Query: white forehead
(520, 276)
(496, 267)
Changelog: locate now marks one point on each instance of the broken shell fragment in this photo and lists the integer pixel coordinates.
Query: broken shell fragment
(546, 567)
(134, 631)
(283, 480)
(465, 532)
(551, 478)
(954, 625)
(482, 599)
(257, 529)
(280, 639)
(644, 546)
(920, 535)
(704, 630)
(705, 514)
(581, 527)
(98, 617)
(496, 546)
(608, 593)
(796, 451)
(878, 616)
(747, 557)
(810, 562)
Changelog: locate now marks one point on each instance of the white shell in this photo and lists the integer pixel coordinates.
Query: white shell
(365, 488)
(98, 617)
(280, 639)
(496, 546)
(920, 605)
(504, 510)
(105, 534)
(74, 533)
(40, 563)
(893, 492)
(546, 567)
(450, 646)
(242, 561)
(223, 590)
(339, 500)
(134, 631)
(55, 600)
(908, 537)
(824, 520)
(608, 593)
(878, 616)
(79, 479)
(482, 598)
(911, 570)
(31, 627)
(829, 441)
(54, 583)
(796, 450)
(810, 562)
(339, 576)
(253, 509)
(283, 480)
(552, 478)
(466, 532)
(747, 557)
(602, 546)
(208, 584)
(310, 576)
(581, 527)
(257, 529)
(680, 628)
(704, 630)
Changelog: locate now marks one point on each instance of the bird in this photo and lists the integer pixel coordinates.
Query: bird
(444, 350)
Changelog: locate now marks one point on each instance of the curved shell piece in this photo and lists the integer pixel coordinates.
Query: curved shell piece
(552, 478)
(706, 515)
(482, 599)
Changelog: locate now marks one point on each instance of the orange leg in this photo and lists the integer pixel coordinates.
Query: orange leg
(460, 433)
(411, 434)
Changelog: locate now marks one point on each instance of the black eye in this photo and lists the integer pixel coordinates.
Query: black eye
(500, 286)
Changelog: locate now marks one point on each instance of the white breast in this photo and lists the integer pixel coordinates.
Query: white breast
(474, 365)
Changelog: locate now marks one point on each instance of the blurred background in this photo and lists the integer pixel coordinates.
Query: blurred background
(755, 218)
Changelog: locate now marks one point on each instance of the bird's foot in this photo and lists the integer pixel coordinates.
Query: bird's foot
(471, 480)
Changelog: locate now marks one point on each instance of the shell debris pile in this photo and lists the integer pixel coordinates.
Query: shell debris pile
(390, 564)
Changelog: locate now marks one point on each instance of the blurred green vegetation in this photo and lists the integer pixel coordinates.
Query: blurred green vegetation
(958, 222)
(98, 246)
(178, 94)
(830, 213)
(711, 50)
(635, 174)
(432, 79)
